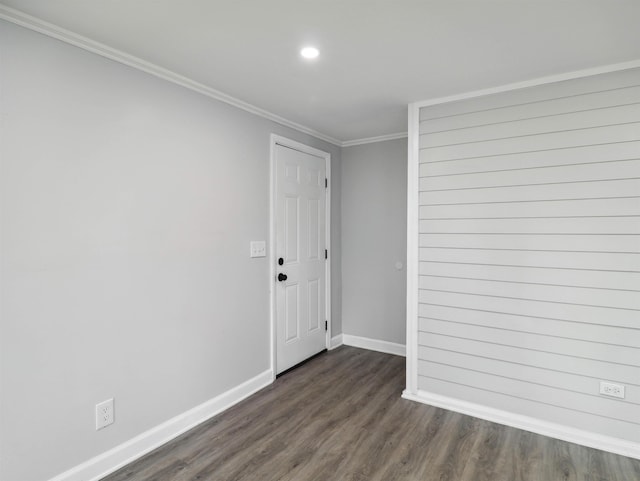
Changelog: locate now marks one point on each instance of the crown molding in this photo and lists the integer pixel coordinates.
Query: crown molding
(32, 23)
(371, 140)
(576, 74)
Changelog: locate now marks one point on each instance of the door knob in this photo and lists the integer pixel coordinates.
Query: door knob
(282, 277)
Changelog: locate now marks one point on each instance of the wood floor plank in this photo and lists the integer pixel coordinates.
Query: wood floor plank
(456, 450)
(155, 465)
(594, 463)
(420, 428)
(340, 417)
(560, 463)
(522, 457)
(487, 454)
(620, 468)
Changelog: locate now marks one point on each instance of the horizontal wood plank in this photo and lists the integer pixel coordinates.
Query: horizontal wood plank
(588, 154)
(575, 295)
(609, 280)
(536, 325)
(585, 349)
(572, 243)
(549, 141)
(561, 190)
(543, 175)
(528, 307)
(545, 108)
(613, 261)
(554, 226)
(560, 208)
(618, 114)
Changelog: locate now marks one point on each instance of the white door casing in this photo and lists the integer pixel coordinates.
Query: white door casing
(299, 239)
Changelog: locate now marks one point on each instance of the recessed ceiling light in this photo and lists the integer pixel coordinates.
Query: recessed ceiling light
(309, 52)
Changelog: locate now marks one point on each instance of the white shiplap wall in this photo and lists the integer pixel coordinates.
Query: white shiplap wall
(529, 252)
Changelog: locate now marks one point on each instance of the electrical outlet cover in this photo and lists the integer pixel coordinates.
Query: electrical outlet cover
(104, 414)
(612, 389)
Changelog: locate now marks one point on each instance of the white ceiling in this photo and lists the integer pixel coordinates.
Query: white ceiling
(376, 55)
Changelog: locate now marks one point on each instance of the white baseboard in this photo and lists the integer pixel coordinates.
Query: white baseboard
(336, 341)
(554, 430)
(374, 345)
(108, 462)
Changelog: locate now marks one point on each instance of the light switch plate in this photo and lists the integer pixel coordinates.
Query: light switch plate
(258, 249)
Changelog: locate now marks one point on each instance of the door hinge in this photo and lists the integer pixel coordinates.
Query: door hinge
(326, 254)
(326, 325)
(326, 182)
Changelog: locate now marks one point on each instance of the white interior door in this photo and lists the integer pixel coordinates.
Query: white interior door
(300, 227)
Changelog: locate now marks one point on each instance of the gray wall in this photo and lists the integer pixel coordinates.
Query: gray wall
(128, 204)
(374, 199)
(530, 251)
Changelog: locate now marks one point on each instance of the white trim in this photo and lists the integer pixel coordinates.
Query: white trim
(327, 264)
(371, 140)
(531, 83)
(412, 263)
(279, 140)
(554, 430)
(98, 467)
(374, 344)
(32, 23)
(272, 254)
(336, 342)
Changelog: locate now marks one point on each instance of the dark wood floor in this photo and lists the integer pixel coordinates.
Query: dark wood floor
(340, 417)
